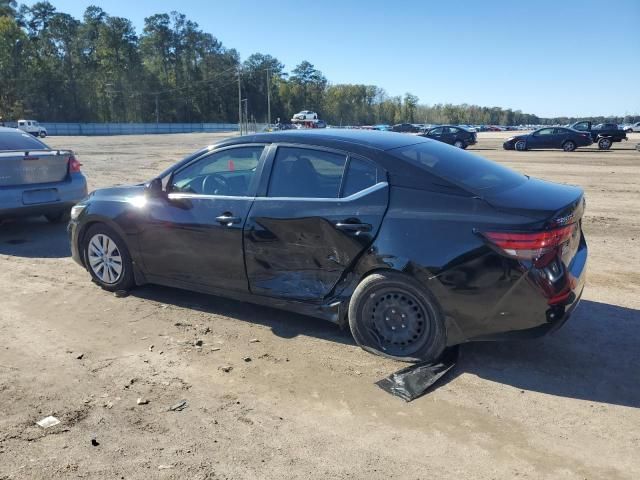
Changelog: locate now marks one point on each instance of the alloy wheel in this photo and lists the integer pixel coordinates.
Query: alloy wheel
(104, 258)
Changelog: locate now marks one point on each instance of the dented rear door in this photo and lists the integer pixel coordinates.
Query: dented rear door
(297, 247)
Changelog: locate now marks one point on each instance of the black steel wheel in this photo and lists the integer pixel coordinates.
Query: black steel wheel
(392, 315)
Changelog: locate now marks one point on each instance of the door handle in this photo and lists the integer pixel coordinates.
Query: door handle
(228, 219)
(354, 227)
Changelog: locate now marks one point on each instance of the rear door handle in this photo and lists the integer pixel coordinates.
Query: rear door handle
(228, 219)
(354, 227)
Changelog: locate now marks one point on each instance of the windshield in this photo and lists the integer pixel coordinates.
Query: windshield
(475, 173)
(20, 141)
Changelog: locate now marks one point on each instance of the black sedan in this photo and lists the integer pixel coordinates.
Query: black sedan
(549, 137)
(456, 136)
(414, 244)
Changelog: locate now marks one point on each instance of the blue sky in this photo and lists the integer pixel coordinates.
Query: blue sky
(545, 57)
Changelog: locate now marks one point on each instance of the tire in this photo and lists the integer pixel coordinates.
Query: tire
(520, 146)
(392, 315)
(42, 134)
(111, 277)
(569, 146)
(459, 144)
(58, 217)
(604, 143)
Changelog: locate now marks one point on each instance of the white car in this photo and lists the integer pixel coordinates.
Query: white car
(32, 127)
(634, 127)
(305, 116)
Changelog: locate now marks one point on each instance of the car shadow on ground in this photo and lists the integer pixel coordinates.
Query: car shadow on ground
(34, 237)
(282, 323)
(594, 357)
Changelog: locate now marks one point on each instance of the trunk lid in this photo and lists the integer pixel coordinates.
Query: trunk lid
(33, 167)
(551, 206)
(540, 200)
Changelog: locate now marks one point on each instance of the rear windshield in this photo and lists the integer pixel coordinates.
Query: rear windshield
(474, 173)
(20, 141)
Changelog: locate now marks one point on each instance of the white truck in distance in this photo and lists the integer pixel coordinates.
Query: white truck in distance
(32, 127)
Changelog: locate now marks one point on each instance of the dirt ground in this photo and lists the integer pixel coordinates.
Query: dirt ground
(306, 406)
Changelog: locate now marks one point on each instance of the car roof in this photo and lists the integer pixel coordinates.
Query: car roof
(9, 130)
(333, 138)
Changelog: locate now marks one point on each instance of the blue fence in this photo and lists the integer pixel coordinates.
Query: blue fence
(135, 128)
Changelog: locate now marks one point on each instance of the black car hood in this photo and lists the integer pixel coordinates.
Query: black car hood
(118, 194)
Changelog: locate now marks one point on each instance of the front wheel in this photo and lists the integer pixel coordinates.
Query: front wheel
(392, 315)
(107, 258)
(604, 144)
(569, 146)
(520, 145)
(458, 144)
(43, 134)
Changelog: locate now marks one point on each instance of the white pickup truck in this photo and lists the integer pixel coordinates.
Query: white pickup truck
(32, 127)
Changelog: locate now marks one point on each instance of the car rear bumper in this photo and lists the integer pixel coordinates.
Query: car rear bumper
(55, 197)
(528, 313)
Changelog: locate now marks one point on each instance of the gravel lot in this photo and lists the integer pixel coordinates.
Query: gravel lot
(305, 406)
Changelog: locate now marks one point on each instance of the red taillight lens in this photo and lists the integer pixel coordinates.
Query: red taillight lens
(529, 246)
(74, 164)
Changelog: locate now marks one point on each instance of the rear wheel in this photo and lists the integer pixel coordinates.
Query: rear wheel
(458, 143)
(520, 145)
(569, 146)
(43, 134)
(604, 144)
(107, 258)
(391, 315)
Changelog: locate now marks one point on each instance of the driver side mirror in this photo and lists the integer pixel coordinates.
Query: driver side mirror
(154, 188)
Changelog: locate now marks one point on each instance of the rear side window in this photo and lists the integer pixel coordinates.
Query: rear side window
(306, 173)
(474, 173)
(360, 174)
(20, 141)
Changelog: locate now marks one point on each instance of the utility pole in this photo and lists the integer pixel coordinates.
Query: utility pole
(157, 110)
(239, 103)
(268, 97)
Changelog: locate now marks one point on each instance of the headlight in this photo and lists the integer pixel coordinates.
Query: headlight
(76, 210)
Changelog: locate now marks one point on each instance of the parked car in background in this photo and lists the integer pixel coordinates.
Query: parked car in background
(469, 128)
(35, 179)
(32, 127)
(320, 124)
(549, 137)
(405, 128)
(305, 116)
(635, 127)
(414, 244)
(604, 134)
(453, 135)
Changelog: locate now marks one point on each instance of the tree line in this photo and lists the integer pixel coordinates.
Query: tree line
(56, 68)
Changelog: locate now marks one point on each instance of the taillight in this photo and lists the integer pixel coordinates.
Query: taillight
(530, 246)
(74, 164)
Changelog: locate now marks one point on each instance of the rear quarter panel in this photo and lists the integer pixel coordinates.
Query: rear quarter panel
(432, 237)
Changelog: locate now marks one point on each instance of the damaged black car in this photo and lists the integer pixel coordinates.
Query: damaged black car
(412, 243)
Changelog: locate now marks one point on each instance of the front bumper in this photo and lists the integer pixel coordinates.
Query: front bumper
(73, 229)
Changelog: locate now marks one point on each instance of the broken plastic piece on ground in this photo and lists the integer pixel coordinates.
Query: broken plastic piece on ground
(414, 381)
(181, 405)
(48, 422)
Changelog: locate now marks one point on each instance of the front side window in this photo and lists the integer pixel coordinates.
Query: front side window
(436, 131)
(544, 131)
(306, 173)
(228, 172)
